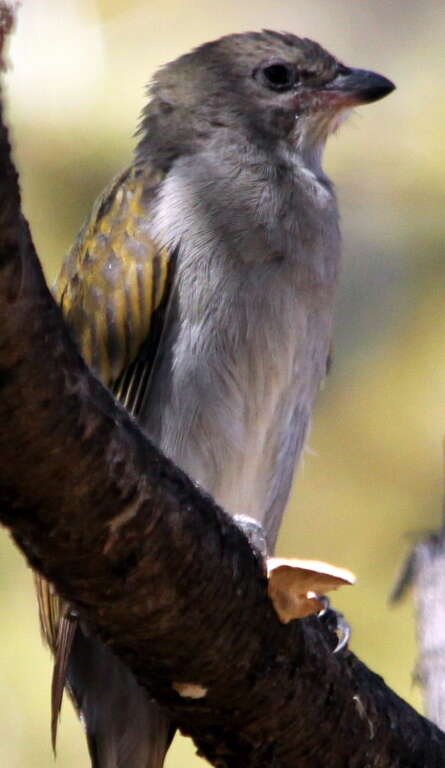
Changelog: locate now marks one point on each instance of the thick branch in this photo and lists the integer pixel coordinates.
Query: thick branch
(168, 580)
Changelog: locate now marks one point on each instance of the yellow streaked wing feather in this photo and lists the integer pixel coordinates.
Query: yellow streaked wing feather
(115, 277)
(111, 283)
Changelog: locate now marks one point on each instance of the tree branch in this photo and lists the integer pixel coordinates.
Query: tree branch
(168, 580)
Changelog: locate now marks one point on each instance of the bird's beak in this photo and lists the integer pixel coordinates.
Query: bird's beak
(358, 86)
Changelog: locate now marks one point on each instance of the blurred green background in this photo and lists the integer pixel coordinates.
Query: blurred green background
(372, 475)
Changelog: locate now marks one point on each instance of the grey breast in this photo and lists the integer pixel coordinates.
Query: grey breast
(249, 325)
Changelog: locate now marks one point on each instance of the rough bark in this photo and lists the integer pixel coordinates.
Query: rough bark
(170, 583)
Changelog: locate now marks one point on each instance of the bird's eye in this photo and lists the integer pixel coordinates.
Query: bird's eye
(278, 75)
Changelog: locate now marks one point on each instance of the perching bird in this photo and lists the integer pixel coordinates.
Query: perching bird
(201, 291)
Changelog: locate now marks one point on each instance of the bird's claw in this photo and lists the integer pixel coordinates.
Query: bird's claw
(326, 603)
(335, 623)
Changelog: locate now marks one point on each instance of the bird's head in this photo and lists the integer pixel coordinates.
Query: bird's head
(270, 87)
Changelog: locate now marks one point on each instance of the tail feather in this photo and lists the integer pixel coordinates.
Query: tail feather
(65, 638)
(125, 729)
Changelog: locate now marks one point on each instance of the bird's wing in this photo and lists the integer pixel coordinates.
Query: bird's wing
(113, 290)
(114, 284)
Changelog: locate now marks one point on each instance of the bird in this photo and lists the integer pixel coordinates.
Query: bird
(201, 290)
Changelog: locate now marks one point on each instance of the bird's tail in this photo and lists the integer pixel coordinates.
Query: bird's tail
(125, 729)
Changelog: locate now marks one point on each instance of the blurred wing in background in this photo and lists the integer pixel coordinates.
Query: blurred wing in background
(114, 290)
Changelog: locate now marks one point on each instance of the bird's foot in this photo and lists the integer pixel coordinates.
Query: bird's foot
(254, 532)
(335, 622)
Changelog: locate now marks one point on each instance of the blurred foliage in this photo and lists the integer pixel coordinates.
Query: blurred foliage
(371, 477)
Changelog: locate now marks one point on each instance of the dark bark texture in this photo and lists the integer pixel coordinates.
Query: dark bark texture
(168, 580)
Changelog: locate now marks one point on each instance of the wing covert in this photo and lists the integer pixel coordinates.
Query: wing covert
(115, 277)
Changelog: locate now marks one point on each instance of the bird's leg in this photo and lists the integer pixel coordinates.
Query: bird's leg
(334, 621)
(254, 532)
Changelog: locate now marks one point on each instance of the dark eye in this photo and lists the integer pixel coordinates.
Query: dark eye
(278, 75)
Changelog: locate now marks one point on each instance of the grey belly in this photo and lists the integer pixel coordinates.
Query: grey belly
(236, 424)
